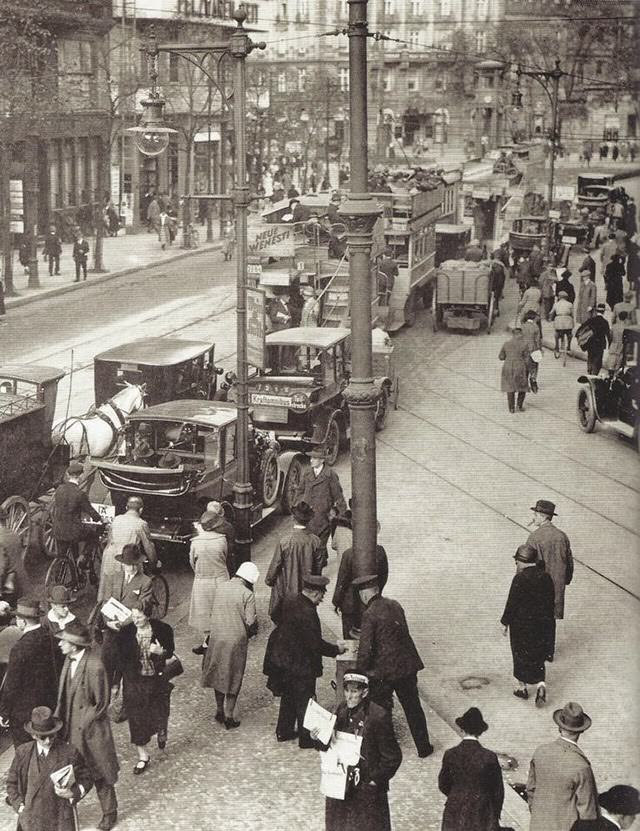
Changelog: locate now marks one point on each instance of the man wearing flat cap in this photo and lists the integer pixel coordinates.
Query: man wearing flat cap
(561, 787)
(30, 680)
(619, 807)
(388, 655)
(293, 658)
(298, 552)
(70, 504)
(83, 701)
(554, 552)
(39, 804)
(321, 489)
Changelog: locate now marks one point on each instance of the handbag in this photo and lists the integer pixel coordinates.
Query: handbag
(117, 710)
(173, 667)
(584, 333)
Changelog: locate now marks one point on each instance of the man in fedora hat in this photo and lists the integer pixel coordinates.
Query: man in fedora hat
(40, 804)
(561, 787)
(298, 552)
(388, 655)
(554, 552)
(619, 807)
(30, 680)
(126, 529)
(60, 599)
(471, 780)
(83, 699)
(70, 504)
(320, 488)
(293, 658)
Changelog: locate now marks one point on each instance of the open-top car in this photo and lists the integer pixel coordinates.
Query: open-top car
(299, 396)
(169, 369)
(180, 455)
(614, 400)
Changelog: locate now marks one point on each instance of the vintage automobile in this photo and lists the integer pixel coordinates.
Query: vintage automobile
(451, 241)
(594, 189)
(299, 396)
(190, 459)
(526, 231)
(463, 298)
(614, 400)
(169, 368)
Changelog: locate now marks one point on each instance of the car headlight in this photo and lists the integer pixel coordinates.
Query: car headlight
(299, 402)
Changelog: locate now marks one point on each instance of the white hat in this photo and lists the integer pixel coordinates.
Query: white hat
(248, 572)
(355, 678)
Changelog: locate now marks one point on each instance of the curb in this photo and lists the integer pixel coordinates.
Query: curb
(16, 302)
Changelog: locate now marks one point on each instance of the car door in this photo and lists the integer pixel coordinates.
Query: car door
(628, 408)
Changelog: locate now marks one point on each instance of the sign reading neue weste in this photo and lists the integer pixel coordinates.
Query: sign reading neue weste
(256, 328)
(266, 240)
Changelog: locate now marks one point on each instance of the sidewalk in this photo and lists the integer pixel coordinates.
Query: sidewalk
(121, 255)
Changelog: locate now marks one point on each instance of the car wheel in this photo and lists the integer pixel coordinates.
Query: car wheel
(332, 442)
(586, 411)
(269, 478)
(382, 406)
(291, 484)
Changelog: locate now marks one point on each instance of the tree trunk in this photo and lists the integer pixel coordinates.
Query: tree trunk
(5, 220)
(98, 218)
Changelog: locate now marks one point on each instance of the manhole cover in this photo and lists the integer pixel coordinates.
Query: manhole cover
(474, 682)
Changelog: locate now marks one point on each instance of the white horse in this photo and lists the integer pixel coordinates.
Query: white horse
(96, 432)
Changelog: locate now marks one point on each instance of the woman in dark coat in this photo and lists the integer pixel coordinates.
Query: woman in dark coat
(471, 780)
(613, 280)
(366, 805)
(515, 372)
(529, 618)
(143, 648)
(566, 285)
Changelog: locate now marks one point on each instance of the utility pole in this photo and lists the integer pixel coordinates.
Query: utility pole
(209, 163)
(359, 213)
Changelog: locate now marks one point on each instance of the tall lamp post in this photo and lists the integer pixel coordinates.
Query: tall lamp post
(153, 135)
(542, 77)
(359, 213)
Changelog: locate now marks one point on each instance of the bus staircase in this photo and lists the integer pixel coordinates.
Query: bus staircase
(336, 309)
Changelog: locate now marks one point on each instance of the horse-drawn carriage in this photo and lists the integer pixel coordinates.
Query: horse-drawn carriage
(463, 298)
(30, 463)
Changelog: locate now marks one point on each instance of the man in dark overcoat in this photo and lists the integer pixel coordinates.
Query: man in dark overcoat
(471, 780)
(83, 699)
(554, 552)
(599, 341)
(70, 505)
(588, 264)
(388, 655)
(80, 253)
(321, 489)
(298, 552)
(619, 807)
(366, 804)
(293, 658)
(39, 804)
(52, 250)
(30, 680)
(346, 598)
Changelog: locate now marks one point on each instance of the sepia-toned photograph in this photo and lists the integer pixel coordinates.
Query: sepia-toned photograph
(319, 415)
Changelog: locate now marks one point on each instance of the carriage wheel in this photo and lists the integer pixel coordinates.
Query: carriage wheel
(294, 475)
(490, 316)
(48, 542)
(159, 596)
(269, 478)
(19, 520)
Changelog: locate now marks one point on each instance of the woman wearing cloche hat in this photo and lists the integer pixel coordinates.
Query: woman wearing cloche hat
(208, 556)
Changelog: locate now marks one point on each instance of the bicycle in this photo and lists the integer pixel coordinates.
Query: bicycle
(159, 590)
(76, 575)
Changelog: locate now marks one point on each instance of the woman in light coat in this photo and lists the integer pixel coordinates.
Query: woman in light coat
(530, 302)
(562, 317)
(515, 375)
(587, 298)
(616, 347)
(233, 622)
(208, 558)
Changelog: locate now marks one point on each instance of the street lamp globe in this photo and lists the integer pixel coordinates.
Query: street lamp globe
(151, 135)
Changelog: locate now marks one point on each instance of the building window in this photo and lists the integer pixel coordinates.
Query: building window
(412, 83)
(174, 70)
(302, 13)
(283, 12)
(416, 8)
(387, 81)
(302, 79)
(414, 39)
(445, 8)
(343, 78)
(482, 9)
(441, 81)
(388, 7)
(282, 81)
(481, 42)
(282, 48)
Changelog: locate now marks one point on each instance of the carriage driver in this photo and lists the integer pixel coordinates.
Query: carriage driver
(70, 504)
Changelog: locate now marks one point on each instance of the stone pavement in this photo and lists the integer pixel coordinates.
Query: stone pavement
(121, 255)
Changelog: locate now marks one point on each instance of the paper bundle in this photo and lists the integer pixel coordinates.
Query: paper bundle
(343, 753)
(316, 717)
(114, 610)
(64, 777)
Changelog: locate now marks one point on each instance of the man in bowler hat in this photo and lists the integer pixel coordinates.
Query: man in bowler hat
(471, 780)
(619, 807)
(561, 787)
(554, 552)
(40, 804)
(388, 655)
(293, 658)
(83, 699)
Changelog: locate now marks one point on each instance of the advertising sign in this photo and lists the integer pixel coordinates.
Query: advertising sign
(564, 192)
(270, 240)
(16, 201)
(256, 330)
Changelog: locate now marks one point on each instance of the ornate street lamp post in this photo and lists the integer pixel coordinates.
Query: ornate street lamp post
(359, 213)
(153, 134)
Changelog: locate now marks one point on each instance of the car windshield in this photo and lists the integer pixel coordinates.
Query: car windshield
(295, 360)
(170, 444)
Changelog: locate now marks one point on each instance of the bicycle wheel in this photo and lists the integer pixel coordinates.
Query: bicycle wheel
(160, 596)
(93, 552)
(62, 572)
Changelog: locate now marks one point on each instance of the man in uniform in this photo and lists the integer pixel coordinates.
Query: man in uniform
(70, 505)
(561, 787)
(554, 552)
(388, 655)
(83, 700)
(320, 488)
(293, 658)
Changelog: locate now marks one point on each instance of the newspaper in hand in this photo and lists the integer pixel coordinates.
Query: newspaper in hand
(116, 611)
(64, 777)
(316, 717)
